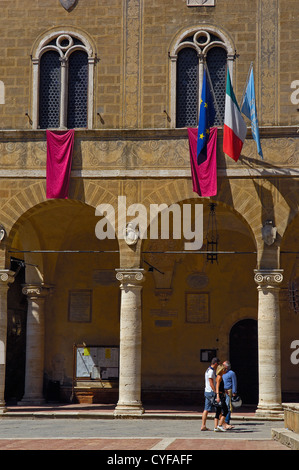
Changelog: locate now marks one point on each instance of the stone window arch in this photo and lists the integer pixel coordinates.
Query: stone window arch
(191, 51)
(63, 75)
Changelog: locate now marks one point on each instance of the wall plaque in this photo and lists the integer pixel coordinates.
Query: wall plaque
(80, 305)
(104, 277)
(163, 312)
(197, 280)
(197, 307)
(163, 323)
(200, 3)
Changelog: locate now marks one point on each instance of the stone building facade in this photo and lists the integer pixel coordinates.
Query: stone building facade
(163, 308)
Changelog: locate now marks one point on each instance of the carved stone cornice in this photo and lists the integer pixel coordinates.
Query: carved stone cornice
(135, 153)
(130, 277)
(270, 278)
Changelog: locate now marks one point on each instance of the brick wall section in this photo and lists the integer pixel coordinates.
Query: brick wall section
(23, 21)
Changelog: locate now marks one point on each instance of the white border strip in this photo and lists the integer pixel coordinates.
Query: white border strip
(156, 173)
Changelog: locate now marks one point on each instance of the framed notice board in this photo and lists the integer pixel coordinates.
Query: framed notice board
(96, 362)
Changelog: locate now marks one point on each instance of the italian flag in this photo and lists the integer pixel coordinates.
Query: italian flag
(234, 129)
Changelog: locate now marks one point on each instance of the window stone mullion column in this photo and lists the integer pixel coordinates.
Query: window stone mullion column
(63, 93)
(35, 92)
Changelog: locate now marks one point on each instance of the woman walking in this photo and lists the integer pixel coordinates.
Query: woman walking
(221, 407)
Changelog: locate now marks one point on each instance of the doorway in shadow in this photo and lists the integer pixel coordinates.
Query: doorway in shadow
(16, 335)
(243, 344)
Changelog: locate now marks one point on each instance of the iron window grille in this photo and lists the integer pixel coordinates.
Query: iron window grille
(63, 82)
(193, 51)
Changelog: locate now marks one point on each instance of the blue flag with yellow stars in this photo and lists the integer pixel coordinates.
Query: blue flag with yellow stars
(206, 120)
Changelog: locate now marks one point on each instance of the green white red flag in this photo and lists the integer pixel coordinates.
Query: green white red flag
(234, 129)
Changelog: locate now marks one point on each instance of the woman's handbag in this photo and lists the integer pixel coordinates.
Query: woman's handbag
(215, 402)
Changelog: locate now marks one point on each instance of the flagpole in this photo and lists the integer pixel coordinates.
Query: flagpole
(212, 89)
(247, 80)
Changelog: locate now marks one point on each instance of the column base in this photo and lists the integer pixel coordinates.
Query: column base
(124, 410)
(3, 408)
(270, 411)
(32, 401)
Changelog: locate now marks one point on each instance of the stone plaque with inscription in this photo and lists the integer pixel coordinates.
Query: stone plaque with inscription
(200, 3)
(197, 307)
(80, 305)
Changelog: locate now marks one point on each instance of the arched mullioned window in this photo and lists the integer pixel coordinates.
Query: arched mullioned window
(193, 50)
(63, 67)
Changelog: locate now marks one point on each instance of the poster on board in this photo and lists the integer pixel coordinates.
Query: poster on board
(97, 362)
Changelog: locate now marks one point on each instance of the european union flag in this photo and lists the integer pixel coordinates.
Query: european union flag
(206, 120)
(249, 109)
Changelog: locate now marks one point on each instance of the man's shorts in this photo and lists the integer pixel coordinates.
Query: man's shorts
(209, 396)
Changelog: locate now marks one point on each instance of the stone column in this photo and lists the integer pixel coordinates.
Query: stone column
(129, 401)
(269, 341)
(6, 278)
(34, 372)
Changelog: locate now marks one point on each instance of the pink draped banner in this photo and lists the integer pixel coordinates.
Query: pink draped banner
(59, 161)
(204, 176)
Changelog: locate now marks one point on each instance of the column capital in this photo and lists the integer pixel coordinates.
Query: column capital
(268, 277)
(36, 290)
(6, 277)
(132, 276)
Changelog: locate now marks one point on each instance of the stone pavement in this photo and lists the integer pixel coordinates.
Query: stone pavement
(140, 444)
(94, 427)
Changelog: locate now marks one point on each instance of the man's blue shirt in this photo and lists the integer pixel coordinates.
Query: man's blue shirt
(230, 381)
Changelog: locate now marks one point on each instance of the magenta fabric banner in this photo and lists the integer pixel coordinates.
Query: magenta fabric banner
(59, 161)
(204, 176)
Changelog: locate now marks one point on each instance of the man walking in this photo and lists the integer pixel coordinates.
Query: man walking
(210, 391)
(230, 387)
